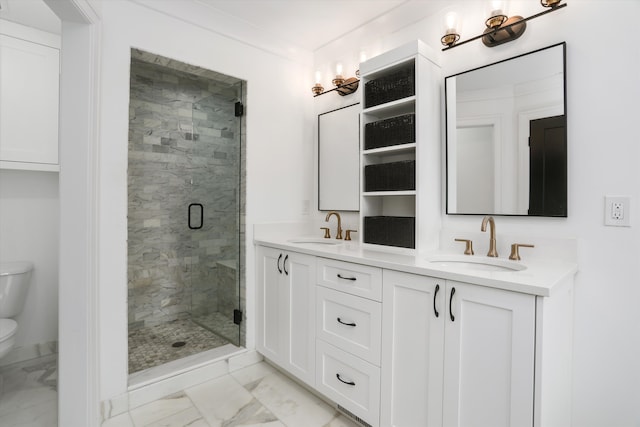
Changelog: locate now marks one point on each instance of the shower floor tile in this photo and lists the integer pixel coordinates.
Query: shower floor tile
(220, 323)
(154, 346)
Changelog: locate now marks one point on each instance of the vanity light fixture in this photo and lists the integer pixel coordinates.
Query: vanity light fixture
(500, 28)
(342, 86)
(317, 89)
(451, 29)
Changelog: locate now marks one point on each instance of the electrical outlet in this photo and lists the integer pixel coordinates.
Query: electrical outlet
(617, 211)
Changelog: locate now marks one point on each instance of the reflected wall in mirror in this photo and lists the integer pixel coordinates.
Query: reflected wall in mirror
(507, 137)
(339, 159)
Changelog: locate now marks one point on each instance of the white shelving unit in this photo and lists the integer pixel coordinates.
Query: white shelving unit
(423, 203)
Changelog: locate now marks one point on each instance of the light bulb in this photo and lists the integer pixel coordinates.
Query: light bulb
(497, 7)
(451, 23)
(496, 13)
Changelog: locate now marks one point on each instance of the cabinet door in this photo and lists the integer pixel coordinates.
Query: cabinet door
(299, 273)
(489, 357)
(412, 355)
(29, 89)
(271, 301)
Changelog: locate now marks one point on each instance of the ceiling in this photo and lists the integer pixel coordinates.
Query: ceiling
(309, 24)
(32, 13)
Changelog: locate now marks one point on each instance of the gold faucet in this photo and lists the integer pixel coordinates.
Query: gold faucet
(339, 230)
(492, 235)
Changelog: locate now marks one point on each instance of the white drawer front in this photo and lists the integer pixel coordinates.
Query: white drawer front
(356, 279)
(349, 381)
(351, 323)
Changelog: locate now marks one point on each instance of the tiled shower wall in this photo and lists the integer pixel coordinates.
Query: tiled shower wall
(183, 148)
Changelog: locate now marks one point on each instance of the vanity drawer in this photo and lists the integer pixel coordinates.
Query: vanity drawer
(351, 323)
(349, 381)
(356, 279)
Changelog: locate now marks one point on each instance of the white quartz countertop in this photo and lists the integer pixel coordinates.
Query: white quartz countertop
(540, 277)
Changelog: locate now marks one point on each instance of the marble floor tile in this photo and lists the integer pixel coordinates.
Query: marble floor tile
(292, 403)
(252, 373)
(189, 417)
(28, 397)
(157, 410)
(44, 414)
(122, 420)
(224, 402)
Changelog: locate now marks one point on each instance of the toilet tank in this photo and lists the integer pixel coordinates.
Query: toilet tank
(14, 283)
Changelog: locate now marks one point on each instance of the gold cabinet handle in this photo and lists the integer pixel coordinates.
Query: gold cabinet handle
(515, 253)
(468, 249)
(327, 234)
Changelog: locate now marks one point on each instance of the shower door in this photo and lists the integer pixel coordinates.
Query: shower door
(184, 204)
(213, 213)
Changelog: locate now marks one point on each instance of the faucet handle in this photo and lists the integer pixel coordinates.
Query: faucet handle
(468, 249)
(327, 234)
(347, 235)
(515, 254)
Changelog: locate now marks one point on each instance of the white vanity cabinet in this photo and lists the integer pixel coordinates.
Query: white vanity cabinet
(29, 92)
(348, 336)
(457, 354)
(285, 310)
(394, 346)
(413, 350)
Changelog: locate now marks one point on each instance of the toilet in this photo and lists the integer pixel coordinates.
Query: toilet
(14, 283)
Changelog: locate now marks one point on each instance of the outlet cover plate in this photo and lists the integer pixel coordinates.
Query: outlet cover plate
(617, 211)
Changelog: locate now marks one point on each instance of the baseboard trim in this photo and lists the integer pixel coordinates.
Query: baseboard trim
(28, 352)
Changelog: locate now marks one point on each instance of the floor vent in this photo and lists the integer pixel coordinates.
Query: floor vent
(353, 416)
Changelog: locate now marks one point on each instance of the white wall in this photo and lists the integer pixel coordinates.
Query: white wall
(603, 109)
(29, 217)
(279, 148)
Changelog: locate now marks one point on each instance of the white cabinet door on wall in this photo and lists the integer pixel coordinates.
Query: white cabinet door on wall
(286, 310)
(413, 346)
(29, 92)
(476, 344)
(489, 357)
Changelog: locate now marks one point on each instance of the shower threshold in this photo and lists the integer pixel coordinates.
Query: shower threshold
(181, 366)
(151, 346)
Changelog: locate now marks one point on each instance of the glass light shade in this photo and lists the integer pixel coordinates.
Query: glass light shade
(496, 8)
(496, 13)
(339, 69)
(318, 76)
(451, 23)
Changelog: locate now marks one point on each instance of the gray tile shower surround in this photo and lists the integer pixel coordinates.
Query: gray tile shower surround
(182, 150)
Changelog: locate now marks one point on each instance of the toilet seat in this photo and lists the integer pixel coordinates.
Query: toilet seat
(8, 328)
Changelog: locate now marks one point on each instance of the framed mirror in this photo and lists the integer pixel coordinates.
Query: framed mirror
(506, 137)
(339, 159)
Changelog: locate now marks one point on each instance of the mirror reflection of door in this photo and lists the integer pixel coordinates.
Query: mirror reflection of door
(474, 174)
(548, 167)
(508, 94)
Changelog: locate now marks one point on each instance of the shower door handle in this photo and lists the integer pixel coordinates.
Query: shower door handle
(190, 210)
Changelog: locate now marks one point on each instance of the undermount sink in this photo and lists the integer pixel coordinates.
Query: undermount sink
(316, 240)
(475, 263)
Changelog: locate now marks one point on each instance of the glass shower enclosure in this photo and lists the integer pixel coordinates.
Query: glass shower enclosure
(185, 173)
